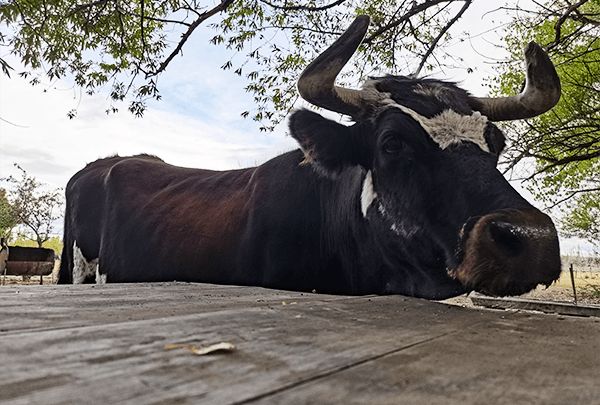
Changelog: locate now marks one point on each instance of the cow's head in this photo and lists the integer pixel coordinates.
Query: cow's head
(432, 193)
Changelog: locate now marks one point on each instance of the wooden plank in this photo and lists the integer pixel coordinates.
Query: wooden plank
(53, 307)
(514, 359)
(536, 305)
(314, 349)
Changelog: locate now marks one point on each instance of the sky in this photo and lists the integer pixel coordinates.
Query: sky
(196, 124)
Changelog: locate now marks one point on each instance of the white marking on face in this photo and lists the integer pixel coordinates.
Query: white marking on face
(368, 194)
(451, 128)
(403, 230)
(447, 128)
(82, 268)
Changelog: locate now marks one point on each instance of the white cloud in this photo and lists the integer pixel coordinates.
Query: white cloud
(52, 147)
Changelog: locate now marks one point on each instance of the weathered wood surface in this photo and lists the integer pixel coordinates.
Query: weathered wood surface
(105, 344)
(562, 308)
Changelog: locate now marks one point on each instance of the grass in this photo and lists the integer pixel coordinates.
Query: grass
(590, 292)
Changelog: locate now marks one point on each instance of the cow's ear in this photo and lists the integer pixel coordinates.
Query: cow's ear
(326, 143)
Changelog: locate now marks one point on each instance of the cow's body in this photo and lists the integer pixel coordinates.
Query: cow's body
(84, 216)
(407, 200)
(259, 226)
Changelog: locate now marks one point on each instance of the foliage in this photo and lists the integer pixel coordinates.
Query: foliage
(583, 219)
(564, 143)
(7, 215)
(282, 37)
(590, 292)
(126, 45)
(33, 206)
(62, 35)
(53, 243)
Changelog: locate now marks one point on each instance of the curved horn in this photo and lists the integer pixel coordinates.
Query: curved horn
(317, 82)
(541, 92)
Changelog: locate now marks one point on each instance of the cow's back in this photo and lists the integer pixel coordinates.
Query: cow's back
(255, 226)
(85, 206)
(163, 222)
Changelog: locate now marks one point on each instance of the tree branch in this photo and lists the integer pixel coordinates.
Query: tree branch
(303, 8)
(163, 20)
(142, 33)
(560, 162)
(93, 4)
(295, 27)
(560, 22)
(440, 35)
(573, 194)
(203, 17)
(416, 9)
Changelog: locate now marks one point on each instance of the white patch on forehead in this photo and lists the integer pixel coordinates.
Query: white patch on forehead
(367, 195)
(450, 127)
(447, 128)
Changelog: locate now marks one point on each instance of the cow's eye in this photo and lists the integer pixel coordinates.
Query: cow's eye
(393, 145)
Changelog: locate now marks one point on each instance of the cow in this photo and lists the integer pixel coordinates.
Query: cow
(405, 200)
(85, 201)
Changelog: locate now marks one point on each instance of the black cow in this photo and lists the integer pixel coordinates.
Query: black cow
(84, 212)
(407, 200)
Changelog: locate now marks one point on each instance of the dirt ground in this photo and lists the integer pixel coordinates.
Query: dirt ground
(587, 287)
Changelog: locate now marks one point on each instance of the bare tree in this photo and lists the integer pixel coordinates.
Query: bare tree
(34, 207)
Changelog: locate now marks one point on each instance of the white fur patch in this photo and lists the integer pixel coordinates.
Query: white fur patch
(368, 194)
(82, 268)
(447, 128)
(100, 278)
(403, 231)
(381, 209)
(450, 127)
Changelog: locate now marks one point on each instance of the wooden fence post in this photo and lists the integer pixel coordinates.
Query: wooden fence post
(573, 283)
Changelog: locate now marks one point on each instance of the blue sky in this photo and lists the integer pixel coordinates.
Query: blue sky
(196, 124)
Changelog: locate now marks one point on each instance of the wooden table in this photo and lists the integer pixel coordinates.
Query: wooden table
(106, 344)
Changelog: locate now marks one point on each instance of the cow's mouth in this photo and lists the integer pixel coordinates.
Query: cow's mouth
(508, 253)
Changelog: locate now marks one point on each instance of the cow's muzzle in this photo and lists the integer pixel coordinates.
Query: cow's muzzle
(508, 253)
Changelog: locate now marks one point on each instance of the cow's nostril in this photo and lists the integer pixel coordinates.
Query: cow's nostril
(506, 237)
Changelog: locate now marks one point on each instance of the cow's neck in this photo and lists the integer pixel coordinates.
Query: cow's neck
(376, 252)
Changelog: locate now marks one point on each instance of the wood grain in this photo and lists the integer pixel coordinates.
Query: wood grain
(106, 344)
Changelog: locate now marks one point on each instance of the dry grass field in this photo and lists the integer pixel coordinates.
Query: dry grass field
(586, 275)
(587, 286)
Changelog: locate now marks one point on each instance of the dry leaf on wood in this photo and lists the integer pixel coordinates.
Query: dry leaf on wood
(223, 346)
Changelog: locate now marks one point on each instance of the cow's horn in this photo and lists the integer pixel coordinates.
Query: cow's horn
(541, 92)
(317, 83)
